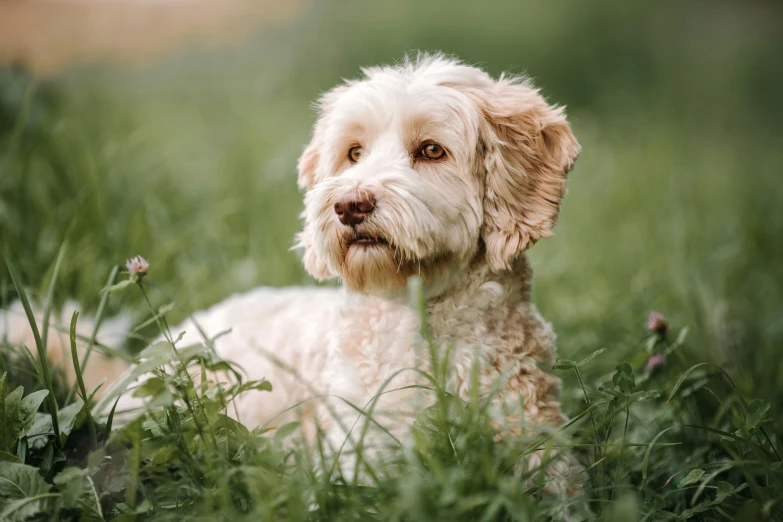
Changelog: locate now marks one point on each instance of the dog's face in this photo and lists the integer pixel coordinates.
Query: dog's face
(424, 168)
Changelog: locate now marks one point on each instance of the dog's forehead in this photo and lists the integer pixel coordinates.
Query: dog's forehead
(392, 98)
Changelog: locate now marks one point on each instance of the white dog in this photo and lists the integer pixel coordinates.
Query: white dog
(432, 169)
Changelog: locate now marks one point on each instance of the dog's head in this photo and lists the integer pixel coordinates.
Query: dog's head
(422, 168)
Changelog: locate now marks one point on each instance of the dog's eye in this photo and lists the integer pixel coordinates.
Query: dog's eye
(354, 153)
(432, 151)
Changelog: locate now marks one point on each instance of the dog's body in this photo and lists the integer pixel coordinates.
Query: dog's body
(330, 342)
(430, 169)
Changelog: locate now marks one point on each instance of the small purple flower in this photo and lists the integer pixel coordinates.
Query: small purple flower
(656, 362)
(137, 265)
(656, 323)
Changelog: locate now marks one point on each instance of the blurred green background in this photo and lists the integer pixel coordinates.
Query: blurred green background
(676, 203)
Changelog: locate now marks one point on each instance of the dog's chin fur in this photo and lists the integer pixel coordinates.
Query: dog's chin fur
(370, 260)
(377, 270)
(373, 269)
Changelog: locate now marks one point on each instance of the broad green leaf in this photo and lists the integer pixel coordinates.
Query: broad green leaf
(756, 411)
(70, 417)
(225, 424)
(9, 416)
(262, 385)
(623, 378)
(27, 410)
(24, 509)
(21, 488)
(151, 424)
(725, 490)
(286, 429)
(14, 399)
(693, 477)
(17, 414)
(39, 432)
(150, 388)
(7, 457)
(78, 492)
(70, 483)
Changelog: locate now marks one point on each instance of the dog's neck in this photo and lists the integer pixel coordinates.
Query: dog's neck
(475, 301)
(479, 295)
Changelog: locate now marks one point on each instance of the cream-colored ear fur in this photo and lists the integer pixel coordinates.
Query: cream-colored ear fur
(308, 167)
(308, 162)
(527, 149)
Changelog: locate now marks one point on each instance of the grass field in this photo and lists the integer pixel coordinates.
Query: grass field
(674, 205)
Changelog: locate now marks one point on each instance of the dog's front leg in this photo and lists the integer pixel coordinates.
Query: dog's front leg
(551, 467)
(525, 404)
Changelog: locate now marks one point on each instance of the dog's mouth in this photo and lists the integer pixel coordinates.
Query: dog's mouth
(367, 240)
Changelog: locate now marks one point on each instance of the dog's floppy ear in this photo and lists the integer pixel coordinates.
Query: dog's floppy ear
(309, 162)
(527, 150)
(308, 168)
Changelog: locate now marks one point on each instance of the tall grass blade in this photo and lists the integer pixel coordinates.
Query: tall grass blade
(110, 420)
(646, 461)
(80, 380)
(42, 359)
(92, 341)
(47, 311)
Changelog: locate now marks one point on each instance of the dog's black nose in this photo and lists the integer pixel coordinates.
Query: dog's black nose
(352, 208)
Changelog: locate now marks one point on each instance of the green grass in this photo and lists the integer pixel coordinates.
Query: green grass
(674, 205)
